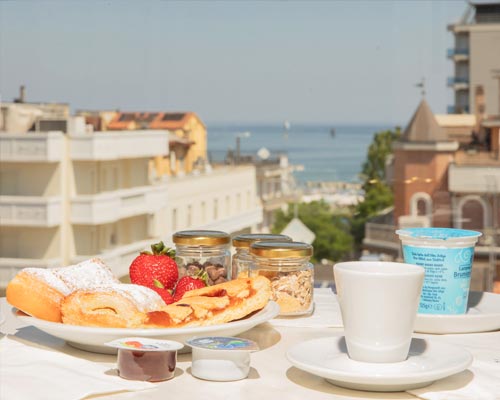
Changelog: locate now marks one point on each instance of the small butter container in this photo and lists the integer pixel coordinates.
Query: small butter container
(217, 358)
(143, 359)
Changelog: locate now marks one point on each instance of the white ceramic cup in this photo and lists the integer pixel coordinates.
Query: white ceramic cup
(378, 302)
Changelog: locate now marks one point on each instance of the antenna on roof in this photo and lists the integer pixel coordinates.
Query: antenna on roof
(421, 85)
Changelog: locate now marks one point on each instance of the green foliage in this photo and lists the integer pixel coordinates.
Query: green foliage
(333, 239)
(378, 194)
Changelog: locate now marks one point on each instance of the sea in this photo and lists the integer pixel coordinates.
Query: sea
(326, 152)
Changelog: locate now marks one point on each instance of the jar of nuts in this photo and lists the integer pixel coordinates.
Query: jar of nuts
(291, 273)
(241, 258)
(200, 251)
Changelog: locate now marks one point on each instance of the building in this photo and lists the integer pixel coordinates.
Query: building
(97, 119)
(20, 116)
(66, 197)
(276, 185)
(438, 181)
(188, 142)
(71, 192)
(223, 199)
(200, 197)
(476, 59)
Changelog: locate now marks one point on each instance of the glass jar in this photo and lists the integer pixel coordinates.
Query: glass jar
(241, 258)
(203, 251)
(291, 273)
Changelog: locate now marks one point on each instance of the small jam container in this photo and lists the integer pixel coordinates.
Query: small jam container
(217, 358)
(200, 252)
(241, 258)
(291, 273)
(143, 359)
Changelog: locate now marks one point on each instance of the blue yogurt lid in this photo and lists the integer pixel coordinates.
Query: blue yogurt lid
(223, 343)
(438, 233)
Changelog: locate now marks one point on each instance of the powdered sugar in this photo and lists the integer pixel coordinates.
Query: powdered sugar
(50, 278)
(144, 298)
(84, 275)
(87, 274)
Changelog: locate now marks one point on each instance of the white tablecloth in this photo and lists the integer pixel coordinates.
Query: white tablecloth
(271, 375)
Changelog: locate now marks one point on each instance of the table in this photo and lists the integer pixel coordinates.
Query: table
(271, 375)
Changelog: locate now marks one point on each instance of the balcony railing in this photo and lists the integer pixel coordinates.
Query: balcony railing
(31, 147)
(474, 178)
(453, 109)
(113, 206)
(458, 52)
(30, 211)
(382, 237)
(456, 80)
(119, 144)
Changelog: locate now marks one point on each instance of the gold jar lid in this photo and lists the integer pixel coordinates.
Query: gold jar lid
(246, 239)
(281, 249)
(201, 238)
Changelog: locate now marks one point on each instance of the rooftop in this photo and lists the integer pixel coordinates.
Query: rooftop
(423, 126)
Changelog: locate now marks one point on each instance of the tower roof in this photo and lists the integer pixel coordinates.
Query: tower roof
(423, 126)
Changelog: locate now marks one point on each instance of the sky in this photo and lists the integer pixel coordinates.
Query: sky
(322, 62)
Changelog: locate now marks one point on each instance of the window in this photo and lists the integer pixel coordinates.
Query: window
(189, 219)
(421, 204)
(473, 212)
(203, 212)
(174, 220)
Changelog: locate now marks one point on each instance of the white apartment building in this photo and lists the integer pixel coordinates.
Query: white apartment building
(68, 197)
(224, 198)
(65, 198)
(476, 59)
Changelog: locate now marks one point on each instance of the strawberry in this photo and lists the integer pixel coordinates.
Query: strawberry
(156, 269)
(164, 293)
(187, 283)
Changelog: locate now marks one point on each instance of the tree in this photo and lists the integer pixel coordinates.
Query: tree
(378, 193)
(333, 238)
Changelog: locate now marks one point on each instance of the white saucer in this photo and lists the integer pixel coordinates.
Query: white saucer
(428, 361)
(483, 314)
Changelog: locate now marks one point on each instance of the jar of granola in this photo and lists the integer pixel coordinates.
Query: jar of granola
(241, 258)
(291, 273)
(203, 253)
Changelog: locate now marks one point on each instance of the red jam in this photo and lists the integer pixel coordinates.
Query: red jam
(152, 366)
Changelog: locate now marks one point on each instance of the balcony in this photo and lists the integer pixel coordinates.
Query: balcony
(30, 211)
(275, 201)
(112, 206)
(474, 178)
(119, 145)
(458, 54)
(456, 109)
(31, 147)
(381, 237)
(458, 83)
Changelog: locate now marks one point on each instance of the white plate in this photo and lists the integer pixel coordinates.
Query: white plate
(428, 361)
(93, 339)
(483, 314)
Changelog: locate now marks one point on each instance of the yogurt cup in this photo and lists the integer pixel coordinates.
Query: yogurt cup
(143, 359)
(446, 254)
(218, 358)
